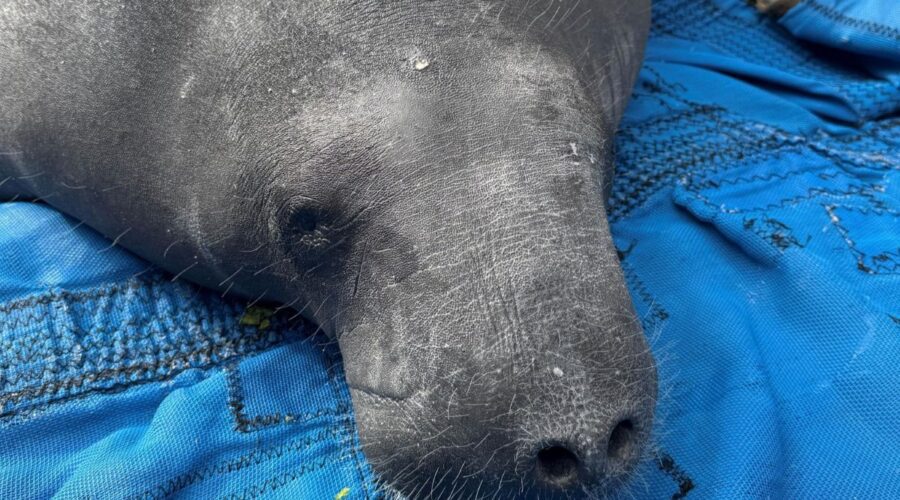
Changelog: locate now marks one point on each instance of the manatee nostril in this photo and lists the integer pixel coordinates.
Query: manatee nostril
(621, 442)
(557, 466)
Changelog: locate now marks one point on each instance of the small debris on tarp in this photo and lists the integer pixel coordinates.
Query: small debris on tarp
(258, 317)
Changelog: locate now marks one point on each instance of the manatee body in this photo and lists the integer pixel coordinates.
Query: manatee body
(424, 180)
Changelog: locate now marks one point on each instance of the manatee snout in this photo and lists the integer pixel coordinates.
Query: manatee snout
(435, 446)
(535, 400)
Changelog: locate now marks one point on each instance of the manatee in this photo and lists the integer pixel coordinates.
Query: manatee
(423, 180)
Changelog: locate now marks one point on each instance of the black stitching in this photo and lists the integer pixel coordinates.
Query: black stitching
(870, 26)
(244, 423)
(72, 296)
(887, 262)
(278, 481)
(734, 181)
(255, 457)
(106, 364)
(667, 464)
(716, 27)
(334, 362)
(775, 232)
(89, 349)
(657, 313)
(811, 193)
(172, 366)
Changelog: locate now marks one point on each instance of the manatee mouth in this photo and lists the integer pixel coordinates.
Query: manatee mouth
(380, 395)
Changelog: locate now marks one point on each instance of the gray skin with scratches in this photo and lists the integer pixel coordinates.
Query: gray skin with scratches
(424, 180)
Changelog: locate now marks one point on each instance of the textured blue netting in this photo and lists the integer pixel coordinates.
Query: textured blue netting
(757, 215)
(117, 382)
(757, 211)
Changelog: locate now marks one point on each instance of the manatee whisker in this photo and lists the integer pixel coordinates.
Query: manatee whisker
(255, 249)
(287, 305)
(271, 265)
(230, 277)
(257, 299)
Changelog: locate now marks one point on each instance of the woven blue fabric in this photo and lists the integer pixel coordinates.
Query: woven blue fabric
(117, 382)
(757, 214)
(869, 29)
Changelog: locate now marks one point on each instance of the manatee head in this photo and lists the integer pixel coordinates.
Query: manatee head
(448, 224)
(424, 180)
(428, 185)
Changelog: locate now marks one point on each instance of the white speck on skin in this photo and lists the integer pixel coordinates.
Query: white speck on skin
(420, 63)
(558, 371)
(186, 87)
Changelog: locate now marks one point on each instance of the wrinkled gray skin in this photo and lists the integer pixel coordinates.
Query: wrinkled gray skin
(425, 180)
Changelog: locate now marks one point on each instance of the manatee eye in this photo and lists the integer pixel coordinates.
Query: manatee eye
(304, 226)
(304, 229)
(305, 220)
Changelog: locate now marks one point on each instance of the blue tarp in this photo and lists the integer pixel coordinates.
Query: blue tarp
(757, 212)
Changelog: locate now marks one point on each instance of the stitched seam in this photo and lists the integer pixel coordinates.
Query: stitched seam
(278, 481)
(681, 20)
(811, 193)
(637, 285)
(173, 366)
(19, 371)
(774, 232)
(629, 195)
(70, 361)
(870, 26)
(253, 458)
(714, 161)
(245, 424)
(79, 296)
(334, 363)
(734, 181)
(887, 262)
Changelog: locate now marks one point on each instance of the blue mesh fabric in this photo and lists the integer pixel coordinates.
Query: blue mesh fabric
(117, 382)
(757, 215)
(732, 39)
(869, 29)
